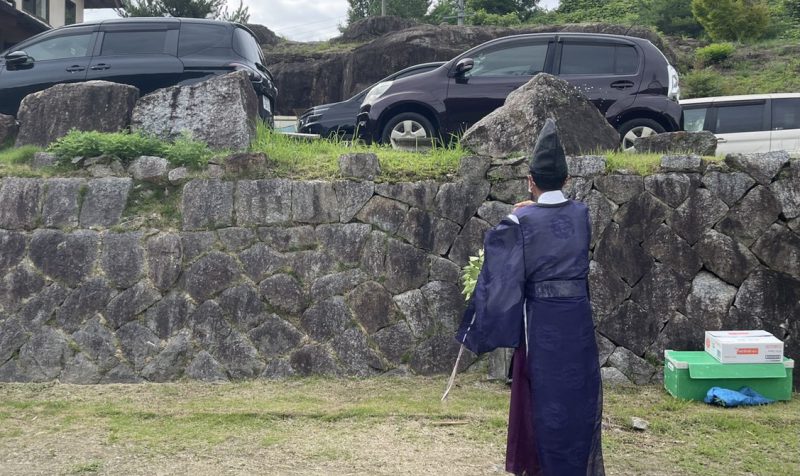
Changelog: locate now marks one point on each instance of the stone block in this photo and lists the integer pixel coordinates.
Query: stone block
(64, 257)
(200, 110)
(314, 202)
(104, 202)
(352, 196)
(414, 194)
(263, 202)
(207, 204)
(122, 259)
(149, 169)
(61, 202)
(90, 106)
(360, 165)
(19, 203)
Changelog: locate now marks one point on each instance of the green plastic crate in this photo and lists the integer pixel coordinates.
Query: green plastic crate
(689, 374)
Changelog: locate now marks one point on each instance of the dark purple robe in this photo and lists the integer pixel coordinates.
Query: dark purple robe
(533, 294)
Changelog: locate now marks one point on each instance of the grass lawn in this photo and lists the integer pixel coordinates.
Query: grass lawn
(375, 426)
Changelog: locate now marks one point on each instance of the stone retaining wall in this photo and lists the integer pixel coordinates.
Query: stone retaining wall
(273, 278)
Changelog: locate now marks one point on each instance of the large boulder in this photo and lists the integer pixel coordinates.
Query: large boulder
(46, 115)
(700, 143)
(513, 128)
(221, 112)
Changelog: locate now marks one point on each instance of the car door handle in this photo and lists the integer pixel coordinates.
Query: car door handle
(100, 67)
(75, 69)
(622, 84)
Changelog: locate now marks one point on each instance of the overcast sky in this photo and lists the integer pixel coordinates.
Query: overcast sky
(299, 20)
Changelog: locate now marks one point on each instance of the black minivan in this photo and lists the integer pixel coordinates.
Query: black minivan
(627, 78)
(149, 53)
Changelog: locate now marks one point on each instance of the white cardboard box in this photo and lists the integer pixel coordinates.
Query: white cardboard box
(744, 347)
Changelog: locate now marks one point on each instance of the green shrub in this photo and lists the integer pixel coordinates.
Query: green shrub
(126, 147)
(714, 53)
(728, 20)
(702, 83)
(118, 144)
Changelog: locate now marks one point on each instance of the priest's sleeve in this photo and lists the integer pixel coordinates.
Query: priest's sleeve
(494, 315)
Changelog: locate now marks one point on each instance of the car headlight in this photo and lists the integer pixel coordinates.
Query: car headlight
(377, 92)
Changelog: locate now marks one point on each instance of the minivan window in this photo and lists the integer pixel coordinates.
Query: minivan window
(694, 120)
(134, 42)
(785, 114)
(196, 38)
(740, 118)
(577, 58)
(246, 46)
(518, 60)
(62, 47)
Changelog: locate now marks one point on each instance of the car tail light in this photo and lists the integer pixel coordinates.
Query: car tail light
(252, 73)
(674, 92)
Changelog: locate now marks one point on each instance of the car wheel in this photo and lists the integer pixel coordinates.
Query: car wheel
(405, 127)
(636, 128)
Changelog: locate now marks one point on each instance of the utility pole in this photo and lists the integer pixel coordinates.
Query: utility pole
(461, 14)
(383, 8)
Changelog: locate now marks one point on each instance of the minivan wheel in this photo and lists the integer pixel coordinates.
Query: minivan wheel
(407, 127)
(636, 128)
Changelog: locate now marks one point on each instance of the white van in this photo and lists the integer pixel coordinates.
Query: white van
(747, 124)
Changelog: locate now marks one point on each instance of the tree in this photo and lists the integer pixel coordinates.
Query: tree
(522, 8)
(358, 10)
(736, 20)
(792, 7)
(573, 6)
(216, 9)
(443, 11)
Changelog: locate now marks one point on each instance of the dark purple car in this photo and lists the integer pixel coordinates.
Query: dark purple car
(627, 78)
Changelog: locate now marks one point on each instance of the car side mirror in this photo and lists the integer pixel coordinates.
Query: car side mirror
(464, 65)
(17, 58)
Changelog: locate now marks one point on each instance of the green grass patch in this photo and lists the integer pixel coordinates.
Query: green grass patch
(326, 426)
(18, 156)
(640, 164)
(770, 66)
(319, 159)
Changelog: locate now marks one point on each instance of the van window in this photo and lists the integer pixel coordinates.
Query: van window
(740, 118)
(785, 114)
(247, 47)
(520, 60)
(579, 58)
(62, 47)
(694, 120)
(134, 42)
(196, 38)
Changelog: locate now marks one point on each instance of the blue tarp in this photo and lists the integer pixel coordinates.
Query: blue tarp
(731, 398)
